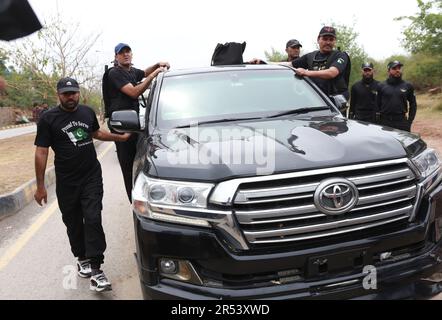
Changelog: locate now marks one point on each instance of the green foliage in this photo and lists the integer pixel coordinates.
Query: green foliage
(423, 39)
(23, 90)
(93, 99)
(424, 71)
(40, 61)
(275, 56)
(347, 41)
(424, 33)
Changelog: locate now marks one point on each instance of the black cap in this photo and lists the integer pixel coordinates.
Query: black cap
(367, 65)
(293, 43)
(394, 64)
(67, 85)
(327, 31)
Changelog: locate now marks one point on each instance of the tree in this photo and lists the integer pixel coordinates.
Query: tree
(275, 56)
(56, 52)
(424, 34)
(347, 41)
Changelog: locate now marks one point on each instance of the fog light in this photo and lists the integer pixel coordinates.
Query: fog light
(169, 267)
(180, 270)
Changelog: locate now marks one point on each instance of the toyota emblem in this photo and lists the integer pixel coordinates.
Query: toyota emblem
(336, 196)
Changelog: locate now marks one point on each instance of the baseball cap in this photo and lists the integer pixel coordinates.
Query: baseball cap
(327, 31)
(67, 85)
(393, 64)
(293, 43)
(367, 65)
(120, 47)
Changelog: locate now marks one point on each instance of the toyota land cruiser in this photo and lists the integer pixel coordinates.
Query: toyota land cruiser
(250, 184)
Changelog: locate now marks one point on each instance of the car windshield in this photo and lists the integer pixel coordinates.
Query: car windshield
(238, 94)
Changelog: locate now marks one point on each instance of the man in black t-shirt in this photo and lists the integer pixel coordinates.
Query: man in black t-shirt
(363, 96)
(69, 130)
(125, 88)
(326, 66)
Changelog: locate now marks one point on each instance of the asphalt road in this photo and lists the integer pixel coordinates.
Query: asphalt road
(35, 258)
(9, 133)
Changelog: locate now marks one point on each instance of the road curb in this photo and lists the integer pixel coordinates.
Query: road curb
(18, 126)
(13, 202)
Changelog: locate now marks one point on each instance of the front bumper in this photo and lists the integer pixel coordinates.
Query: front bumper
(230, 274)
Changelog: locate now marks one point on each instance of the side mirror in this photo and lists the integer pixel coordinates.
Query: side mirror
(125, 121)
(341, 103)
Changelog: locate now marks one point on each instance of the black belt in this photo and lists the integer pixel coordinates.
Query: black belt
(393, 117)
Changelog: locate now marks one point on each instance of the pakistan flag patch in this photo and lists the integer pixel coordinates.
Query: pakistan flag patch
(341, 61)
(78, 135)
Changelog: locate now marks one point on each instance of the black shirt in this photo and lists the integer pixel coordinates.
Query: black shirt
(363, 96)
(393, 96)
(118, 78)
(69, 134)
(319, 61)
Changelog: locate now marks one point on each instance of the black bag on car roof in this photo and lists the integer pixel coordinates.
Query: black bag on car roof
(229, 53)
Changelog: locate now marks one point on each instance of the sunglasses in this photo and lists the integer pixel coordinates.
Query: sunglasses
(367, 69)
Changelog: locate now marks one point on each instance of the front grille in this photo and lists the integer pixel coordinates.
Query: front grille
(281, 211)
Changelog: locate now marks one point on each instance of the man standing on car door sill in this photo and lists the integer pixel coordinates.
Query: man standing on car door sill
(327, 67)
(125, 88)
(68, 129)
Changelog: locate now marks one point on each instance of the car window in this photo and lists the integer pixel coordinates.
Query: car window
(208, 96)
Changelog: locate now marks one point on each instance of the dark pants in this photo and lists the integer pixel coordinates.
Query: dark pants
(367, 116)
(81, 208)
(126, 152)
(395, 121)
(126, 155)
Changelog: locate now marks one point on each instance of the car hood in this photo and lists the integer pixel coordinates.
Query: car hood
(243, 149)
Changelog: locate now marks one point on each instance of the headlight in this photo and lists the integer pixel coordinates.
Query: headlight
(183, 194)
(427, 162)
(168, 200)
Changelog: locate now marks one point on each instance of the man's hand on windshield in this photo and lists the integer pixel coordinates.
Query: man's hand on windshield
(255, 61)
(165, 65)
(301, 72)
(158, 71)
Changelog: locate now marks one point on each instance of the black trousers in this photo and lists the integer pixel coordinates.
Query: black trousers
(81, 208)
(397, 122)
(365, 116)
(126, 152)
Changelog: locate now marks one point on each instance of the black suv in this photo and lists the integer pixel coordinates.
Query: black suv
(250, 184)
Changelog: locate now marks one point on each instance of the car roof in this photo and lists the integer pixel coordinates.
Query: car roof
(240, 67)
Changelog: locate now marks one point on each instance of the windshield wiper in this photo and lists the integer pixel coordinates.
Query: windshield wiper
(215, 121)
(298, 111)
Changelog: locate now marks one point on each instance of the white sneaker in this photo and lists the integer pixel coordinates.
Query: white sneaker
(84, 268)
(100, 283)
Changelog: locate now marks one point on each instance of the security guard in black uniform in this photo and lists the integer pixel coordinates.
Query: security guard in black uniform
(363, 96)
(396, 100)
(327, 67)
(293, 49)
